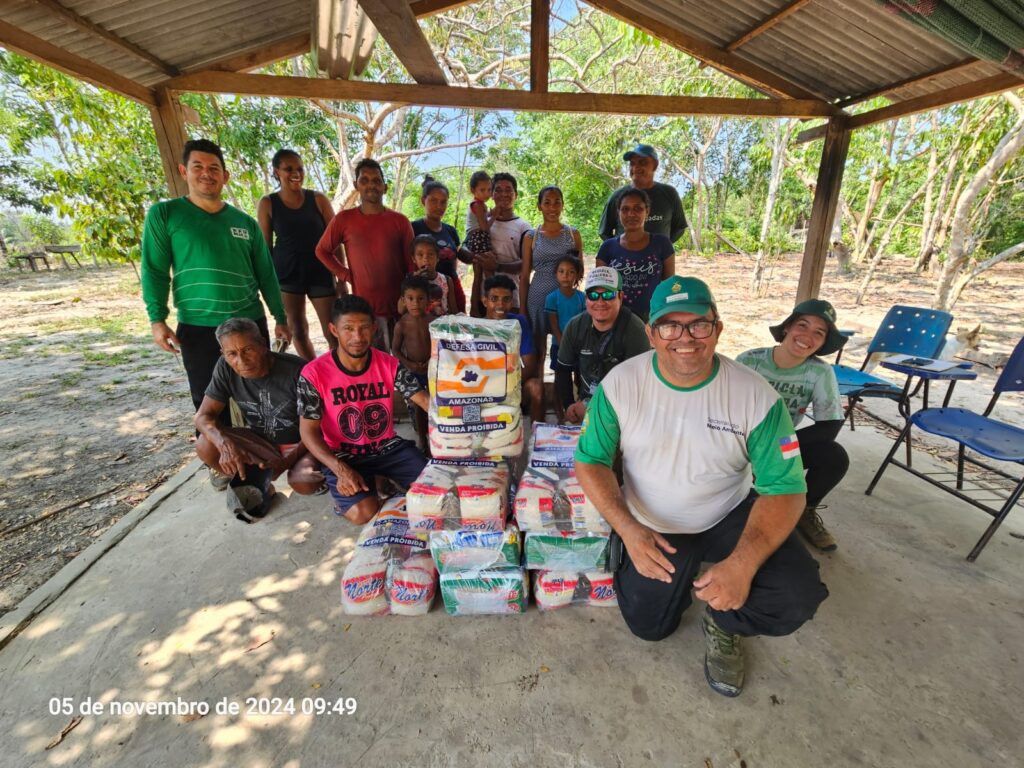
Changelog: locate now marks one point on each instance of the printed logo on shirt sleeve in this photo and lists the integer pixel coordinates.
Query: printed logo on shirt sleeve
(789, 446)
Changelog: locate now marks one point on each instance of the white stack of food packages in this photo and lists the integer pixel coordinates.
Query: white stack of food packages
(549, 497)
(566, 539)
(464, 507)
(558, 589)
(466, 495)
(475, 381)
(391, 571)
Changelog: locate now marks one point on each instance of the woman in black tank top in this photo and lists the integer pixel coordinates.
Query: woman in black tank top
(292, 221)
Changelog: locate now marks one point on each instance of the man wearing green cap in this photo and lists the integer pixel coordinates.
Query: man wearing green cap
(665, 216)
(712, 473)
(803, 379)
(596, 341)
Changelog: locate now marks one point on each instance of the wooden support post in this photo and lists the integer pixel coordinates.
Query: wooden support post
(169, 125)
(540, 19)
(823, 211)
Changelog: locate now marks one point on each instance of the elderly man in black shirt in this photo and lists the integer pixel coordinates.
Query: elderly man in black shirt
(263, 384)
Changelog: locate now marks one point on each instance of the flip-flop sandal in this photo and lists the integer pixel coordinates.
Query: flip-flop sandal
(247, 503)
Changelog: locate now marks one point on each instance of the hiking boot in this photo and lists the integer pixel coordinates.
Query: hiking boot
(812, 529)
(723, 658)
(218, 479)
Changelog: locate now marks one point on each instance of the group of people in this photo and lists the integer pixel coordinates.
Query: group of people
(690, 456)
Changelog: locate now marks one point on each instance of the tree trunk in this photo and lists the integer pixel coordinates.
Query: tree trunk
(961, 244)
(887, 236)
(879, 178)
(779, 142)
(961, 283)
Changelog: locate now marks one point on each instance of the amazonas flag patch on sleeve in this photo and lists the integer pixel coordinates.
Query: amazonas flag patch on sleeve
(789, 446)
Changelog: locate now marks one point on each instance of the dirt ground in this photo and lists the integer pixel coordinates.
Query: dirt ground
(93, 416)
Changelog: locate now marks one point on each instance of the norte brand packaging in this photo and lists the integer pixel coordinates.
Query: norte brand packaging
(463, 495)
(391, 570)
(549, 497)
(558, 589)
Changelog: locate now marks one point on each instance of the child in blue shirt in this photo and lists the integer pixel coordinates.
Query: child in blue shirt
(562, 305)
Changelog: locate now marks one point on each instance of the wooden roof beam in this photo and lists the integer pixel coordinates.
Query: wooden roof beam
(946, 70)
(763, 26)
(80, 22)
(396, 23)
(423, 8)
(491, 98)
(21, 42)
(540, 41)
(726, 62)
(929, 101)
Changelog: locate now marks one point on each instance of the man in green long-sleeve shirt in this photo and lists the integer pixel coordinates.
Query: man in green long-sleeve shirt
(215, 261)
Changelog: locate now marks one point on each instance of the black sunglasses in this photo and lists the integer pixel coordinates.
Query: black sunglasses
(594, 294)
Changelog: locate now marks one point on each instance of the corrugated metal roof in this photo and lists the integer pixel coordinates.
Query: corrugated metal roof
(837, 50)
(185, 34)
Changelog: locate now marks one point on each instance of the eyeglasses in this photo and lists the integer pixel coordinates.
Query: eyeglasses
(594, 294)
(698, 329)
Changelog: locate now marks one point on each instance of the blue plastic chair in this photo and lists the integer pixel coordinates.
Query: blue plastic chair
(904, 330)
(979, 432)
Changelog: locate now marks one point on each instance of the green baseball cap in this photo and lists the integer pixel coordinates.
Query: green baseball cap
(643, 150)
(681, 294)
(817, 308)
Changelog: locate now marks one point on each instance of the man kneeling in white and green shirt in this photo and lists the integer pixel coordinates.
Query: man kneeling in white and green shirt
(712, 473)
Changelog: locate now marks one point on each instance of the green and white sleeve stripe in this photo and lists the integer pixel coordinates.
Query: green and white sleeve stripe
(599, 438)
(774, 474)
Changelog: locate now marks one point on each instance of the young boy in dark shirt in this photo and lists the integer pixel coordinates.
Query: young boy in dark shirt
(411, 343)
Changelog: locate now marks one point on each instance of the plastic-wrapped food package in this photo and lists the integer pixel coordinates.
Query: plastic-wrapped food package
(549, 497)
(566, 551)
(475, 550)
(391, 570)
(490, 591)
(459, 495)
(474, 378)
(557, 589)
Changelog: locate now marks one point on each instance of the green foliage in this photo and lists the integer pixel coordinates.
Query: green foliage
(99, 179)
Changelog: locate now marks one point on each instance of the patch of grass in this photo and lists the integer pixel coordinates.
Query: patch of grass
(108, 359)
(123, 327)
(69, 379)
(29, 394)
(118, 381)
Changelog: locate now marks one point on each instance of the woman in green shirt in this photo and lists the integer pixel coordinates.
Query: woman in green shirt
(793, 367)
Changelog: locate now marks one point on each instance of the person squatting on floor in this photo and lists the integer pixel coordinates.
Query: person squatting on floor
(263, 384)
(346, 413)
(795, 370)
(694, 500)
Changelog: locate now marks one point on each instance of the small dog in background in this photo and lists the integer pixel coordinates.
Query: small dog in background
(965, 339)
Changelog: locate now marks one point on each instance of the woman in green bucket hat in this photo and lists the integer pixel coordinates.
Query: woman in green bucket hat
(793, 367)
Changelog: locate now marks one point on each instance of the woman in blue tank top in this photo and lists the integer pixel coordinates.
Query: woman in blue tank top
(292, 220)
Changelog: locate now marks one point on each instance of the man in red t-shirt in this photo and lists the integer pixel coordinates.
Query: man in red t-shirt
(378, 249)
(345, 413)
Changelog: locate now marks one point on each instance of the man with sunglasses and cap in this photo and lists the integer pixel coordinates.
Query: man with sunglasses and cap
(796, 371)
(665, 216)
(712, 473)
(596, 341)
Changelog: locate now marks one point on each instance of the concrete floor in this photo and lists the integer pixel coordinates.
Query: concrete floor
(914, 660)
